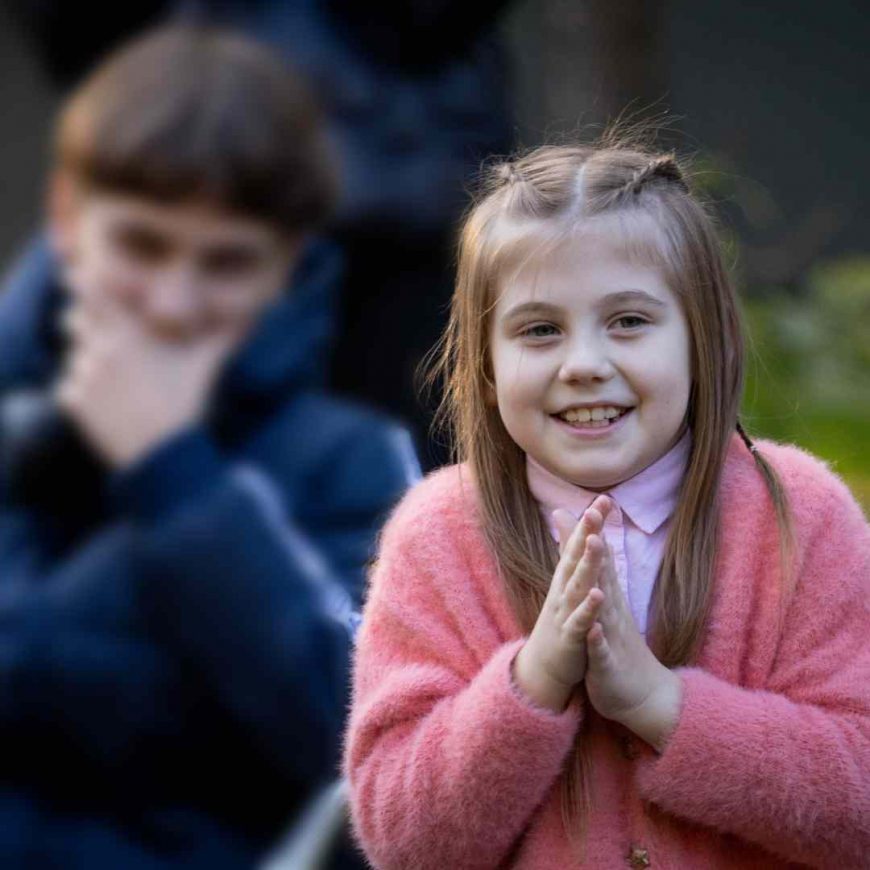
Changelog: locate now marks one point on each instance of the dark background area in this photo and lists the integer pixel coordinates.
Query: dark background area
(774, 90)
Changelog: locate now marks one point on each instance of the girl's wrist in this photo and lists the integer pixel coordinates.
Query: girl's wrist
(656, 719)
(536, 686)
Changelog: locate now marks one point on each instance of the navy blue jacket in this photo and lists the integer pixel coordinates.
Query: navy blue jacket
(175, 638)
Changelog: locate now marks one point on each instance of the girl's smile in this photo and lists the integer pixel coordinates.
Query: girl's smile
(612, 420)
(591, 359)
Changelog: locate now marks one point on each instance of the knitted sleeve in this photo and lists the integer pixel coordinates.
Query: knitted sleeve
(446, 759)
(787, 766)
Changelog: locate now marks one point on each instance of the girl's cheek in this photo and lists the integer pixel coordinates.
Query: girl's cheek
(667, 364)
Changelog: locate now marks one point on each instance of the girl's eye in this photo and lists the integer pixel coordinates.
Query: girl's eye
(538, 330)
(631, 321)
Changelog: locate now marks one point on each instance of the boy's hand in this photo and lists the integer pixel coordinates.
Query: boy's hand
(624, 680)
(126, 390)
(553, 660)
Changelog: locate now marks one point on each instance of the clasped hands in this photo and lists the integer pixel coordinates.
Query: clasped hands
(585, 631)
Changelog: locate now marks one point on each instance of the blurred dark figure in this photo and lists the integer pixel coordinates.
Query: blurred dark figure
(185, 517)
(416, 97)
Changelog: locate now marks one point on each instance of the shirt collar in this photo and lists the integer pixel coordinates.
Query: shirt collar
(648, 498)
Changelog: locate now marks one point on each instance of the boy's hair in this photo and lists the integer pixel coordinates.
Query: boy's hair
(527, 207)
(188, 112)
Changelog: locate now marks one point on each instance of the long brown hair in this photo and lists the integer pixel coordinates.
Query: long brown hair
(547, 193)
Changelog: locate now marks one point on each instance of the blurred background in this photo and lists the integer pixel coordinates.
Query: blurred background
(766, 96)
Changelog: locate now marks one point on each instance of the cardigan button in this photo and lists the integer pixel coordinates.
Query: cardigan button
(638, 858)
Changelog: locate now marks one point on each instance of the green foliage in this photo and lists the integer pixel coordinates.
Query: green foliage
(808, 368)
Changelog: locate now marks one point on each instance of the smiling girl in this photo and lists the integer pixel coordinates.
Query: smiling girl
(617, 632)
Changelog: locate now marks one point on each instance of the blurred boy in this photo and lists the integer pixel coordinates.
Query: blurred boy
(185, 520)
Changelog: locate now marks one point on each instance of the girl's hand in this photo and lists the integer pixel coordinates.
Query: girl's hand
(553, 660)
(624, 680)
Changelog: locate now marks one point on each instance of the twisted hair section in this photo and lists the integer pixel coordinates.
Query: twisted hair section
(507, 173)
(664, 167)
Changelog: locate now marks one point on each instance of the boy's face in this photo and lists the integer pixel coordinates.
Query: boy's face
(184, 270)
(591, 329)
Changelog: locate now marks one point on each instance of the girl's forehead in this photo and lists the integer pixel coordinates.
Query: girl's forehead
(601, 254)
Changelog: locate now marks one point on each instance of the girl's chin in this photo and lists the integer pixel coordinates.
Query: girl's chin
(596, 486)
(594, 479)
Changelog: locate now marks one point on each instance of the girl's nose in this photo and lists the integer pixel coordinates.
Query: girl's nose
(586, 360)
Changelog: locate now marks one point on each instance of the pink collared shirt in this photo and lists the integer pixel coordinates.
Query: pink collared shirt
(636, 528)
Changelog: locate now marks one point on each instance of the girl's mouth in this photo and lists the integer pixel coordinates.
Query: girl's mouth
(592, 428)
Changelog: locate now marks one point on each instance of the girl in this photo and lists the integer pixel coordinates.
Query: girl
(684, 681)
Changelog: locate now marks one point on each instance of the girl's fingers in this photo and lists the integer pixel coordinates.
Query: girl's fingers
(602, 504)
(567, 524)
(571, 554)
(596, 645)
(610, 574)
(587, 571)
(616, 602)
(585, 614)
(573, 534)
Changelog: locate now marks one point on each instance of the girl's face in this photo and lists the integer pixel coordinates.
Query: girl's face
(591, 329)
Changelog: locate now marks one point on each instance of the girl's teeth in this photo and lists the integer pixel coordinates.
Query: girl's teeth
(595, 418)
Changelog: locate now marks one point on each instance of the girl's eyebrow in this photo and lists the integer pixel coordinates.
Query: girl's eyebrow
(531, 308)
(625, 297)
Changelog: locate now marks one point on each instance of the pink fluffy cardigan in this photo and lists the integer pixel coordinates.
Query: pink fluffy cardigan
(450, 767)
